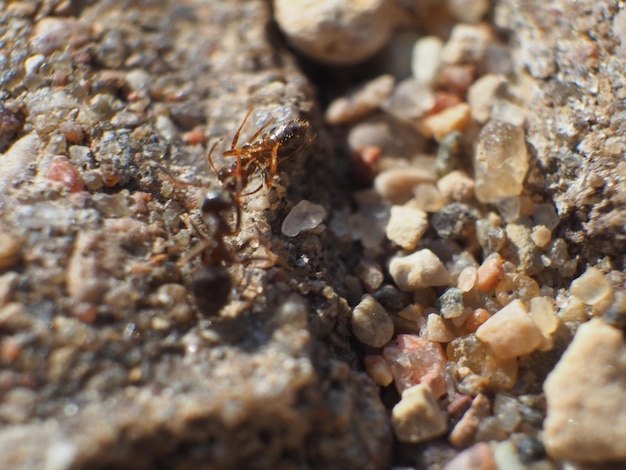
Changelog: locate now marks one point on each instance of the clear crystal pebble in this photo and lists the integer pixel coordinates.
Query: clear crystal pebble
(304, 216)
(500, 162)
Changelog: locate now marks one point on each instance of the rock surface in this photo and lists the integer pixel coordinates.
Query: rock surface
(586, 420)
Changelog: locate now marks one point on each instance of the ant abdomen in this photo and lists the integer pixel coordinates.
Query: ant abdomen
(211, 286)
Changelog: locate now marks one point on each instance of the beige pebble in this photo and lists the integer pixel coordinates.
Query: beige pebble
(427, 198)
(425, 59)
(9, 251)
(336, 31)
(371, 323)
(378, 369)
(467, 279)
(482, 94)
(541, 235)
(359, 102)
(455, 118)
(573, 311)
(438, 330)
(396, 185)
(16, 160)
(468, 11)
(420, 269)
(406, 226)
(542, 311)
(511, 332)
(586, 417)
(417, 417)
(591, 287)
(52, 33)
(456, 186)
(467, 44)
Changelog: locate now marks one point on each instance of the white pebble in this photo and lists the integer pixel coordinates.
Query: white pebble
(417, 417)
(425, 59)
(336, 31)
(467, 44)
(591, 287)
(32, 64)
(420, 269)
(456, 186)
(396, 185)
(511, 332)
(303, 216)
(482, 94)
(406, 226)
(371, 323)
(438, 330)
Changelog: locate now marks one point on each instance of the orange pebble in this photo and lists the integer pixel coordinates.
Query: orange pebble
(489, 274)
(476, 318)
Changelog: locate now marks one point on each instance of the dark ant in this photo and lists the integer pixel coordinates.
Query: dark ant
(263, 151)
(211, 285)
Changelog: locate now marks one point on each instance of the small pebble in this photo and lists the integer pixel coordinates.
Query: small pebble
(64, 172)
(420, 269)
(396, 185)
(456, 78)
(371, 323)
(545, 214)
(9, 251)
(360, 102)
(482, 94)
(467, 44)
(437, 329)
(425, 59)
(336, 32)
(505, 111)
(506, 456)
(491, 237)
(449, 154)
(530, 449)
(378, 369)
(450, 303)
(427, 198)
(477, 457)
(406, 226)
(417, 417)
(500, 161)
(414, 360)
(476, 318)
(370, 274)
(542, 311)
(467, 279)
(511, 332)
(592, 287)
(541, 235)
(456, 221)
(456, 186)
(304, 216)
(410, 100)
(507, 409)
(14, 164)
(455, 118)
(394, 137)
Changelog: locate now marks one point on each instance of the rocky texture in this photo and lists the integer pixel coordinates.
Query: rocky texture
(106, 359)
(584, 394)
(572, 60)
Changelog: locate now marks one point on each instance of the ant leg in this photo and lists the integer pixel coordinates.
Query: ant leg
(210, 158)
(253, 192)
(263, 127)
(273, 166)
(236, 138)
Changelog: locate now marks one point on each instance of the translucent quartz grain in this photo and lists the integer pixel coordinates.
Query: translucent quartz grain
(500, 161)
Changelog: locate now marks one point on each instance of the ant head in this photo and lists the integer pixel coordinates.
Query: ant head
(216, 202)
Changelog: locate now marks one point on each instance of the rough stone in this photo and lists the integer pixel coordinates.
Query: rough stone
(420, 269)
(336, 32)
(584, 393)
(371, 323)
(417, 417)
(406, 226)
(511, 332)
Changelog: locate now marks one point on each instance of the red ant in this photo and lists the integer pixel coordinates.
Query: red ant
(263, 151)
